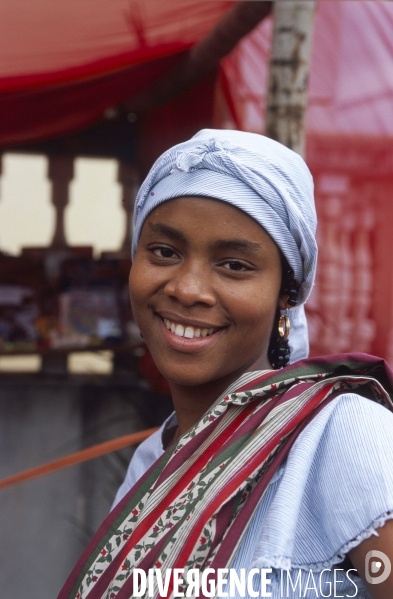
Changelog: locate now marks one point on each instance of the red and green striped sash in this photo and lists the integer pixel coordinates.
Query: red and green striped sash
(191, 509)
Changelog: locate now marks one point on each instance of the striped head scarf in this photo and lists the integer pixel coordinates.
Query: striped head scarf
(261, 177)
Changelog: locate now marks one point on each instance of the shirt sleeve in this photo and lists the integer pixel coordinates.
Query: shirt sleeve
(336, 490)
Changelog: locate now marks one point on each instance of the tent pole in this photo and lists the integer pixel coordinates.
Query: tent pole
(288, 72)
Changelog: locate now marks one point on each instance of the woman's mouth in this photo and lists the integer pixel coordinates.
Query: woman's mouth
(185, 330)
(189, 338)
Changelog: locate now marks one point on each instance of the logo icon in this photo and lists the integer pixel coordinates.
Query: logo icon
(377, 563)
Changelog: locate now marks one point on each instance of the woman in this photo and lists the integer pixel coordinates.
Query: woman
(281, 472)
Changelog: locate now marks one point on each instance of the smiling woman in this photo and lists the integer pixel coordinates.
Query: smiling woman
(214, 287)
(264, 464)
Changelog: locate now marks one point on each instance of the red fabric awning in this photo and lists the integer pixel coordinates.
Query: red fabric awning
(50, 41)
(63, 63)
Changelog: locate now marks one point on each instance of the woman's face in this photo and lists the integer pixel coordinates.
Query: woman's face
(204, 289)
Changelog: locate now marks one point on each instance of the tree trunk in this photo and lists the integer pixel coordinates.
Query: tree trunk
(288, 72)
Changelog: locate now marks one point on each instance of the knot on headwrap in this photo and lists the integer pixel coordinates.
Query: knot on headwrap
(259, 176)
(190, 160)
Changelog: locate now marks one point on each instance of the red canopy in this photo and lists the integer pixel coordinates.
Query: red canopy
(63, 63)
(77, 58)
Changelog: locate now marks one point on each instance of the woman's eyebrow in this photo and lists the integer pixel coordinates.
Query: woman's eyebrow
(241, 245)
(236, 245)
(167, 231)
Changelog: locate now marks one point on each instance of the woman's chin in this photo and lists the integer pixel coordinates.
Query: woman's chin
(189, 376)
(197, 376)
(188, 380)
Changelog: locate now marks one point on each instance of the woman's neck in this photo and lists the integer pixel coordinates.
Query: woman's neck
(191, 402)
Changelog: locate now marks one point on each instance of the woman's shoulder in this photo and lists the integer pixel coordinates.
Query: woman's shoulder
(352, 427)
(350, 423)
(358, 408)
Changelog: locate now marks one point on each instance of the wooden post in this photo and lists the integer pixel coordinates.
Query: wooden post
(61, 172)
(288, 72)
(128, 179)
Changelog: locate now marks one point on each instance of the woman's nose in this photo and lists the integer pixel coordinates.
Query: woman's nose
(190, 286)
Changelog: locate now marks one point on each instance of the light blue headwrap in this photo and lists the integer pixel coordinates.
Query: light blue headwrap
(257, 175)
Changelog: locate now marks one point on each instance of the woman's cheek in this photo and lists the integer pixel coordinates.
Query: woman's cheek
(253, 305)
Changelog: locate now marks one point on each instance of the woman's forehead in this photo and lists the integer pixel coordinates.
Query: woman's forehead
(184, 209)
(205, 218)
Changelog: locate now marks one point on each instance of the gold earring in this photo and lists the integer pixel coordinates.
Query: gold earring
(284, 325)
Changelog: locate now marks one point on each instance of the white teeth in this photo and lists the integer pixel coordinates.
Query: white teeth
(179, 330)
(187, 331)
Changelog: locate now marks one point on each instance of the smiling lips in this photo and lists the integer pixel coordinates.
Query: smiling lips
(183, 330)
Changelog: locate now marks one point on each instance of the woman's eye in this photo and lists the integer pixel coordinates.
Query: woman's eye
(235, 265)
(163, 252)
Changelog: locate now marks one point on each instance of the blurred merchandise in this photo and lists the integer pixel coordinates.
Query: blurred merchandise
(92, 314)
(82, 303)
(18, 312)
